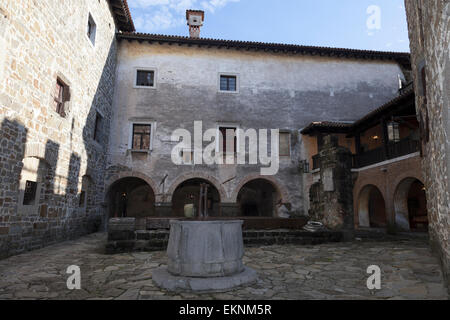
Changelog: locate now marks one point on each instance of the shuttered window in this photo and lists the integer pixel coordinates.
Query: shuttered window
(141, 136)
(60, 96)
(227, 134)
(285, 144)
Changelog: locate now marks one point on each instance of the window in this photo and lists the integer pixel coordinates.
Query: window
(141, 137)
(82, 200)
(228, 83)
(61, 96)
(227, 137)
(29, 195)
(187, 156)
(145, 78)
(98, 127)
(285, 144)
(393, 132)
(91, 29)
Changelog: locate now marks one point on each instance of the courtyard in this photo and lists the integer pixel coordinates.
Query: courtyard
(409, 270)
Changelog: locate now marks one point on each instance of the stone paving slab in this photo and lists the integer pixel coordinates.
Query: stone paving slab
(327, 271)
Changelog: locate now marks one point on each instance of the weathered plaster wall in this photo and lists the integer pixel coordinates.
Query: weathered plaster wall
(40, 41)
(276, 91)
(429, 23)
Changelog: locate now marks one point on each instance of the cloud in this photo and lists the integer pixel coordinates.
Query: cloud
(158, 15)
(212, 5)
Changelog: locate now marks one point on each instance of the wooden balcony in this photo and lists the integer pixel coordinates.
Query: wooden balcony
(383, 153)
(391, 151)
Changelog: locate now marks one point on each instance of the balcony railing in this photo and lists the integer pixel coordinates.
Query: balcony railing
(393, 150)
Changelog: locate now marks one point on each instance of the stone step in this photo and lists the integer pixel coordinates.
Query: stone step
(157, 240)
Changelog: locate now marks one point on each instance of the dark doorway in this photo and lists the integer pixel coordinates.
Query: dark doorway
(417, 207)
(131, 197)
(188, 192)
(258, 198)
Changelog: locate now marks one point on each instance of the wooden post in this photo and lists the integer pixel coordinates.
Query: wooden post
(385, 138)
(357, 148)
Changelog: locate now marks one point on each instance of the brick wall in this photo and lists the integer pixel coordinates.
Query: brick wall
(386, 177)
(40, 42)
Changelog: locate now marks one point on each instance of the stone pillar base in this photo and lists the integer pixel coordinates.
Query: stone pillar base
(165, 280)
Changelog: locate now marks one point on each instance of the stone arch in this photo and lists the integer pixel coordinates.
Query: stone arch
(130, 196)
(272, 180)
(188, 193)
(371, 207)
(130, 174)
(401, 203)
(196, 175)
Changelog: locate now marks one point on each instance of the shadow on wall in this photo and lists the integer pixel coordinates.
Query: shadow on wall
(40, 204)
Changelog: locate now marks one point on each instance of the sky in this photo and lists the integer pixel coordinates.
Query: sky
(358, 24)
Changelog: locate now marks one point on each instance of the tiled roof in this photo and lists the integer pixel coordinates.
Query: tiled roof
(122, 15)
(401, 57)
(401, 99)
(328, 126)
(345, 127)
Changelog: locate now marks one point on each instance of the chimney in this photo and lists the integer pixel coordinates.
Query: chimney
(195, 20)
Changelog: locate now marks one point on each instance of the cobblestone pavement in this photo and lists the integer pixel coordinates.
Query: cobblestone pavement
(330, 271)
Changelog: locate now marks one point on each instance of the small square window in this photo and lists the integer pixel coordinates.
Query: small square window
(285, 144)
(228, 83)
(91, 29)
(29, 195)
(145, 78)
(60, 97)
(98, 127)
(141, 137)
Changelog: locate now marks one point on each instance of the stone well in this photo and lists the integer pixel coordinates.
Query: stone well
(204, 256)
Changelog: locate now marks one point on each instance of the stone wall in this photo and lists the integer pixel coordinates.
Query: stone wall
(331, 197)
(41, 41)
(428, 23)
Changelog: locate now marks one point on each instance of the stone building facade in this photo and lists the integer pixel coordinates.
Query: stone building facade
(57, 69)
(277, 87)
(385, 182)
(428, 23)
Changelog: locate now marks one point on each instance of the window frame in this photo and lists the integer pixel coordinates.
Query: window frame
(228, 74)
(96, 131)
(62, 99)
(152, 125)
(34, 189)
(149, 69)
(93, 34)
(227, 125)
